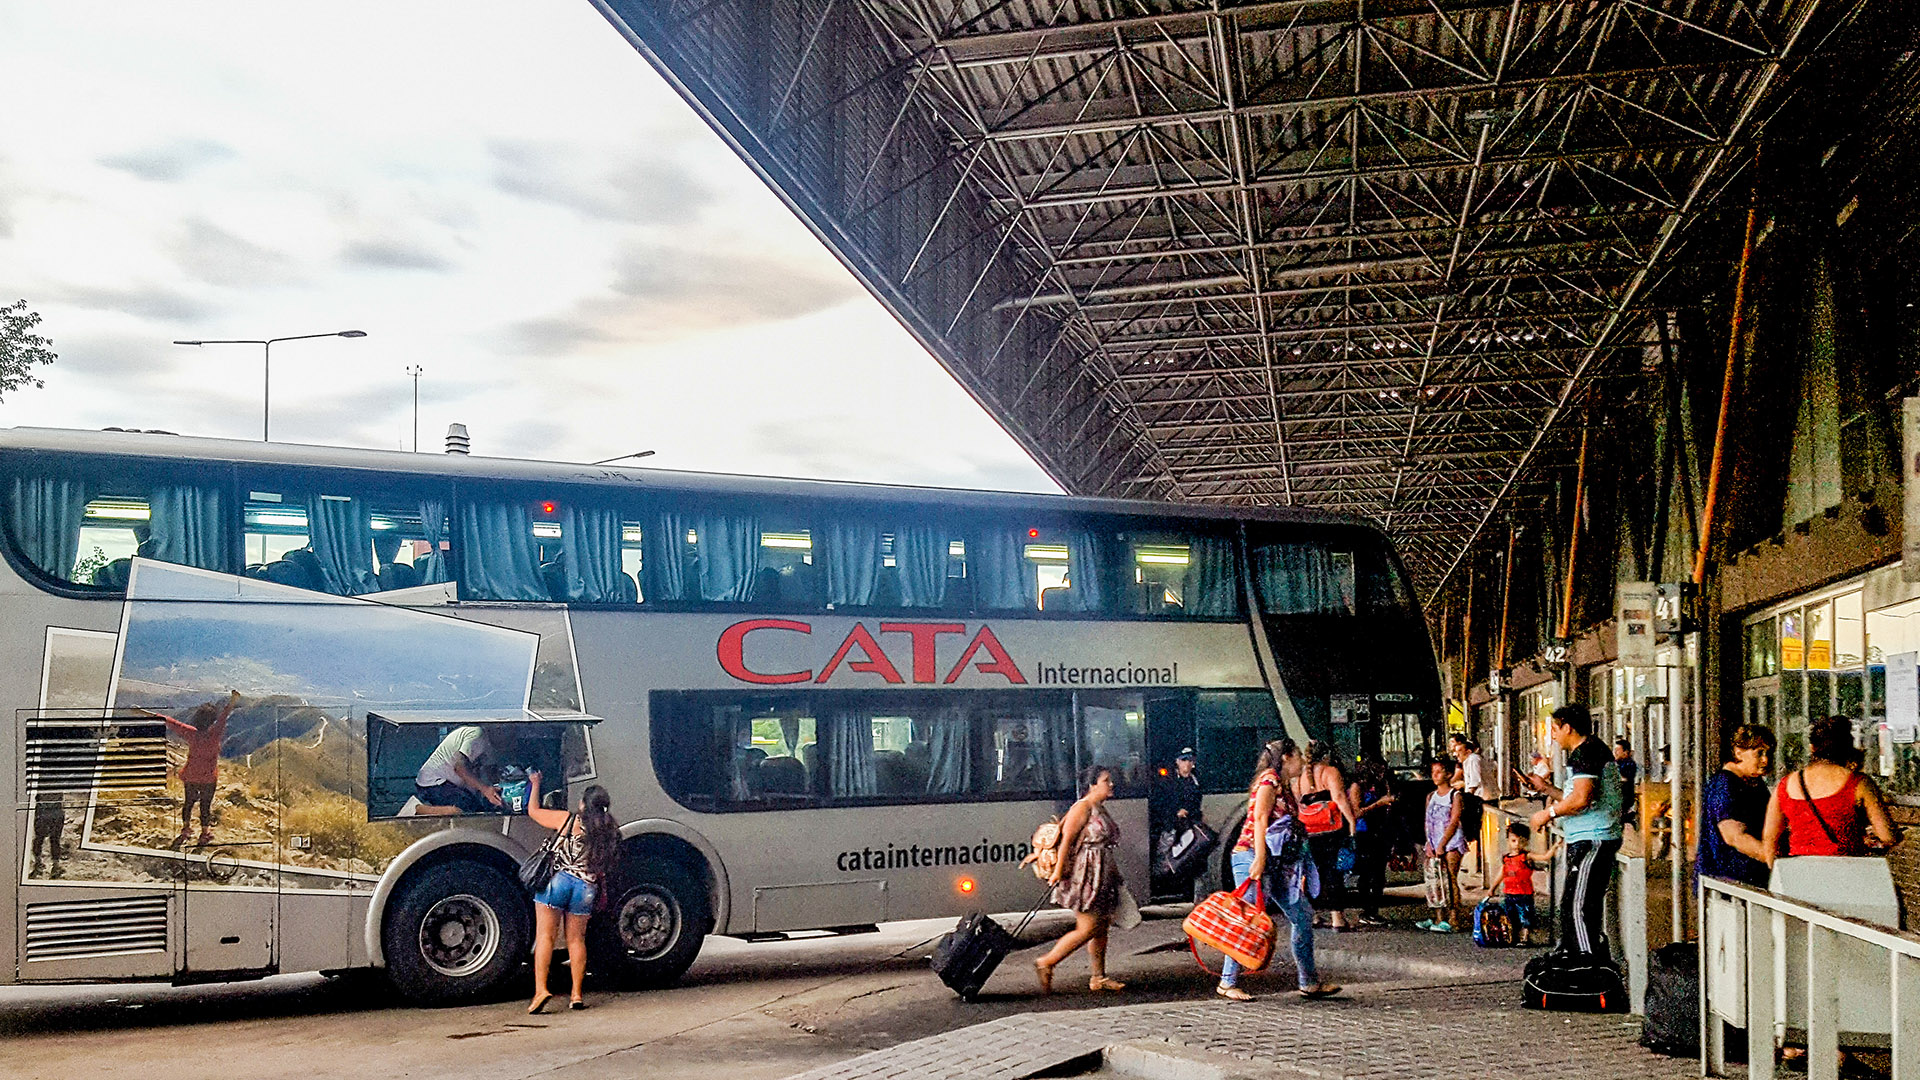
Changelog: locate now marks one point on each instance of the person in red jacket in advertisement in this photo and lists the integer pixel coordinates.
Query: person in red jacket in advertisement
(203, 730)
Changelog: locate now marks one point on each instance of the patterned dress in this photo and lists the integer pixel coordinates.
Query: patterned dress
(1092, 881)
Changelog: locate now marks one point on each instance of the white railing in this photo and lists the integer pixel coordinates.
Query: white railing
(1861, 982)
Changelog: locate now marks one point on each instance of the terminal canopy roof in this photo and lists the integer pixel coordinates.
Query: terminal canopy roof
(1361, 255)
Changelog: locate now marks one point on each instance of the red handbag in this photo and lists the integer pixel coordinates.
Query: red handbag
(1320, 815)
(1228, 923)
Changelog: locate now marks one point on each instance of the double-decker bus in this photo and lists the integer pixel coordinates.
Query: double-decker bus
(273, 707)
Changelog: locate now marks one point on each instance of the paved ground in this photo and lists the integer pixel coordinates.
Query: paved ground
(1459, 1032)
(745, 1012)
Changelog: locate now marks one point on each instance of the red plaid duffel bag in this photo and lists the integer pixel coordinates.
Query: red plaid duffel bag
(1231, 924)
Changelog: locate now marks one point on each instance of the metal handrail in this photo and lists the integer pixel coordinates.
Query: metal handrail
(1760, 921)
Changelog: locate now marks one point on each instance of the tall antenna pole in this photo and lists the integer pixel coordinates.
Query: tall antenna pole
(415, 371)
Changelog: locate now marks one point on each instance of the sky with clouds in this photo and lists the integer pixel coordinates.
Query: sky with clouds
(503, 193)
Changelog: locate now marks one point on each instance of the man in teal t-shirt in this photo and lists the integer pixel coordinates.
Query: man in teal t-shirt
(1586, 808)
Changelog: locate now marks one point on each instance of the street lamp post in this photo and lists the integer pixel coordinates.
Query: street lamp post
(266, 376)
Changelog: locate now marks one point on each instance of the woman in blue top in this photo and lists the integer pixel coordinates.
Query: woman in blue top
(1734, 809)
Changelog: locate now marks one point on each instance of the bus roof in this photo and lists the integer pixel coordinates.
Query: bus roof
(165, 446)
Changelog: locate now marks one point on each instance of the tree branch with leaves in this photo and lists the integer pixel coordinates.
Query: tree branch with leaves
(20, 348)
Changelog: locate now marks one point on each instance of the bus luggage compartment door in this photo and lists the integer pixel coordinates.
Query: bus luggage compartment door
(809, 907)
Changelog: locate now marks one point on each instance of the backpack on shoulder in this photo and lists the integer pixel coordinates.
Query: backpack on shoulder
(1573, 982)
(1044, 849)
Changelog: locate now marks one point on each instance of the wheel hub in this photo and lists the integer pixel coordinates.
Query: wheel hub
(459, 935)
(649, 922)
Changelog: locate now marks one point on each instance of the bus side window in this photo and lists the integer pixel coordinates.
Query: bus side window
(343, 544)
(1114, 733)
(86, 525)
(1193, 575)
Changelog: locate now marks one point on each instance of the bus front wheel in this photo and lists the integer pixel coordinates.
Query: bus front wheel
(653, 926)
(456, 932)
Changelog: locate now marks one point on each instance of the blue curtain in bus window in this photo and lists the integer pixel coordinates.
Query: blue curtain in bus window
(853, 562)
(1211, 588)
(1038, 754)
(47, 514)
(1003, 579)
(590, 548)
(433, 567)
(848, 736)
(663, 565)
(950, 753)
(341, 535)
(921, 553)
(496, 553)
(193, 527)
(1297, 579)
(729, 547)
(1087, 572)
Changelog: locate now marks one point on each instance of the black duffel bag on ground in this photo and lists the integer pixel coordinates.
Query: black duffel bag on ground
(1573, 982)
(1673, 1001)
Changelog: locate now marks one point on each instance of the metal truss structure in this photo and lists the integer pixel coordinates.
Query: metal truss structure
(1362, 255)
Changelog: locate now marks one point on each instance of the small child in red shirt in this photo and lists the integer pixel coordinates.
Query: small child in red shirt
(204, 729)
(1516, 881)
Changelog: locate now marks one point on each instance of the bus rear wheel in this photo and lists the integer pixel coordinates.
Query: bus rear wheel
(653, 926)
(456, 932)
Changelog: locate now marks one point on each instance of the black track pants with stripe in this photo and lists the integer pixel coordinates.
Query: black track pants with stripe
(1583, 907)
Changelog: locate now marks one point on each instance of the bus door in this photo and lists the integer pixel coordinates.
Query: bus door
(99, 891)
(224, 822)
(1170, 729)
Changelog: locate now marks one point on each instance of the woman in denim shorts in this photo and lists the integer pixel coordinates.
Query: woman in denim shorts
(582, 858)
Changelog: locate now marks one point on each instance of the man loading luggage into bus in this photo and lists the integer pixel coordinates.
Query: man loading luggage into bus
(1586, 809)
(453, 776)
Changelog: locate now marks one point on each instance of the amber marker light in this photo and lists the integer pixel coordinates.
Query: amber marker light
(966, 884)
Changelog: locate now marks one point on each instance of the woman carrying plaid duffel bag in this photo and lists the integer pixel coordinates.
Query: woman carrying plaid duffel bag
(1281, 874)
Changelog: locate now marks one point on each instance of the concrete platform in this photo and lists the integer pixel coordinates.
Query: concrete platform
(1455, 1032)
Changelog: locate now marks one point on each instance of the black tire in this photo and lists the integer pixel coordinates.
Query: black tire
(653, 924)
(456, 932)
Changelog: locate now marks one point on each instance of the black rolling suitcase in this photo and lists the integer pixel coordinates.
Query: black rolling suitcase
(1562, 982)
(965, 958)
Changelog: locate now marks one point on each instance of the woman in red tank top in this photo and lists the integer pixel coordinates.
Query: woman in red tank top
(1828, 807)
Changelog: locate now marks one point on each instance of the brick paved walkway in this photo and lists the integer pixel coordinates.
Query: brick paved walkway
(1475, 1032)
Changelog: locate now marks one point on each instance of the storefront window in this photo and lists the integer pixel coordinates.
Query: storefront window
(1793, 650)
(1762, 649)
(1849, 694)
(1849, 632)
(1820, 637)
(1819, 695)
(1792, 730)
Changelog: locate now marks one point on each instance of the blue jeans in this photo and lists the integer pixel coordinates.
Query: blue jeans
(1299, 915)
(568, 894)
